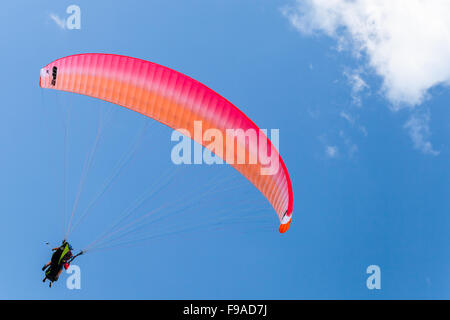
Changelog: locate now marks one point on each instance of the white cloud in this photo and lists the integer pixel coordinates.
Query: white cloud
(347, 117)
(351, 120)
(358, 85)
(418, 128)
(407, 43)
(363, 130)
(331, 151)
(59, 22)
(352, 148)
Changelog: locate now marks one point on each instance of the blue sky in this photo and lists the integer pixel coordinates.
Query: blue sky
(366, 148)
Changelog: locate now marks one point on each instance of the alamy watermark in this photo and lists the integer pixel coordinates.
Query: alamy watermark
(232, 146)
(374, 280)
(74, 279)
(72, 22)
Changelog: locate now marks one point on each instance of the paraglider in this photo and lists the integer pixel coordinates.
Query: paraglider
(177, 101)
(61, 258)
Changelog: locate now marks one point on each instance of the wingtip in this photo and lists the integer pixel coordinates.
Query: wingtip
(284, 227)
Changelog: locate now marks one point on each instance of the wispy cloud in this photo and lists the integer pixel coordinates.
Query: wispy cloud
(358, 85)
(352, 121)
(418, 128)
(363, 130)
(347, 117)
(338, 146)
(351, 147)
(331, 151)
(405, 44)
(59, 21)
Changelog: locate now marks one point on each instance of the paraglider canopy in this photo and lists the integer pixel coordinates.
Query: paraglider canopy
(177, 101)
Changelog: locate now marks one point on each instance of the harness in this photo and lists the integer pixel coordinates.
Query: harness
(63, 253)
